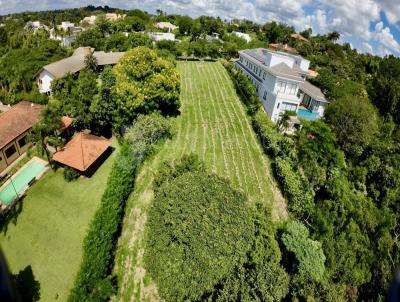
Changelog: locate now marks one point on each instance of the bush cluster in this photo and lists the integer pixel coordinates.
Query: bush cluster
(300, 199)
(70, 174)
(93, 282)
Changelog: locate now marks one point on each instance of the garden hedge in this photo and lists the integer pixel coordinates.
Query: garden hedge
(93, 281)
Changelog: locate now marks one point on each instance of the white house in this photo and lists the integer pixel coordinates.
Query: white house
(89, 20)
(34, 26)
(65, 25)
(242, 35)
(280, 80)
(159, 36)
(73, 64)
(71, 32)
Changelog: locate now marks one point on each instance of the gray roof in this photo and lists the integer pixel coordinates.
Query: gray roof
(313, 91)
(76, 62)
(279, 70)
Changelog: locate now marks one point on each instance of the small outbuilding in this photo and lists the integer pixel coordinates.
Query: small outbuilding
(82, 151)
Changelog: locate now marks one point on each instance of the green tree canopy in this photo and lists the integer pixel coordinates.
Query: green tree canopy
(146, 83)
(308, 252)
(199, 230)
(355, 123)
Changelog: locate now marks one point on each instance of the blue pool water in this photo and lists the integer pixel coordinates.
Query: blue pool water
(307, 114)
(20, 182)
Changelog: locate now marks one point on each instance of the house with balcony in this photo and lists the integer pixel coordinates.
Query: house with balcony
(281, 83)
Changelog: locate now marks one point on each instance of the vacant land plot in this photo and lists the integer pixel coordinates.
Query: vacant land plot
(213, 124)
(49, 231)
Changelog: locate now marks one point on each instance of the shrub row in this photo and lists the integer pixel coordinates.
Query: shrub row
(94, 282)
(300, 199)
(278, 146)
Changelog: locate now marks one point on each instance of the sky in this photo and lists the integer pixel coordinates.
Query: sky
(371, 26)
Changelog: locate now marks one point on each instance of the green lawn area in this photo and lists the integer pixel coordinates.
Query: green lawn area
(213, 124)
(49, 231)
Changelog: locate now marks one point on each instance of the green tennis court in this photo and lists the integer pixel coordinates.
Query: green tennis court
(19, 183)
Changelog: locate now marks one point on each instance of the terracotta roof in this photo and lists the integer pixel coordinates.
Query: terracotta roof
(18, 119)
(299, 37)
(82, 151)
(66, 121)
(283, 47)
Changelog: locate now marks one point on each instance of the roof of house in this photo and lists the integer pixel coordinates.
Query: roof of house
(82, 151)
(283, 47)
(166, 25)
(17, 120)
(279, 70)
(66, 121)
(298, 37)
(313, 91)
(76, 62)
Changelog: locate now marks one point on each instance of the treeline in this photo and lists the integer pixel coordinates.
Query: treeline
(341, 177)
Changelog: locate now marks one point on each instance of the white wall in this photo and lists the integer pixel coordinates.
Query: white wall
(321, 109)
(162, 36)
(243, 36)
(272, 59)
(46, 79)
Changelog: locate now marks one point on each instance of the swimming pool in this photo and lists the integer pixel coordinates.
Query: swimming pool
(20, 181)
(307, 114)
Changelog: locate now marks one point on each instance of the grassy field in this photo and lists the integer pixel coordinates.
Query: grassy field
(213, 124)
(49, 231)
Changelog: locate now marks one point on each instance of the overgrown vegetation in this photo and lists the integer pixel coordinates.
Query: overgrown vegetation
(197, 222)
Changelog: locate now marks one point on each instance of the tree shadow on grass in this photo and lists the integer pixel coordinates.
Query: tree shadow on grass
(11, 216)
(26, 286)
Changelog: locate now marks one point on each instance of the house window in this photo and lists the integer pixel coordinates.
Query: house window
(259, 74)
(22, 142)
(291, 89)
(277, 107)
(288, 107)
(265, 95)
(281, 86)
(10, 151)
(264, 75)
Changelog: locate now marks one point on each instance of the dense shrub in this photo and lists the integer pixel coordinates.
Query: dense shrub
(245, 89)
(309, 254)
(93, 282)
(70, 174)
(199, 230)
(300, 200)
(274, 143)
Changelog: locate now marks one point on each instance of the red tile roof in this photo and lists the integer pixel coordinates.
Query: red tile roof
(20, 118)
(82, 151)
(66, 121)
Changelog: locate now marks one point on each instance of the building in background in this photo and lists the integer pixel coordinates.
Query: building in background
(166, 25)
(159, 36)
(73, 64)
(242, 35)
(281, 82)
(66, 33)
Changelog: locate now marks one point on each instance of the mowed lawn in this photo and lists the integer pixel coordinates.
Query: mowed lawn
(50, 229)
(213, 124)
